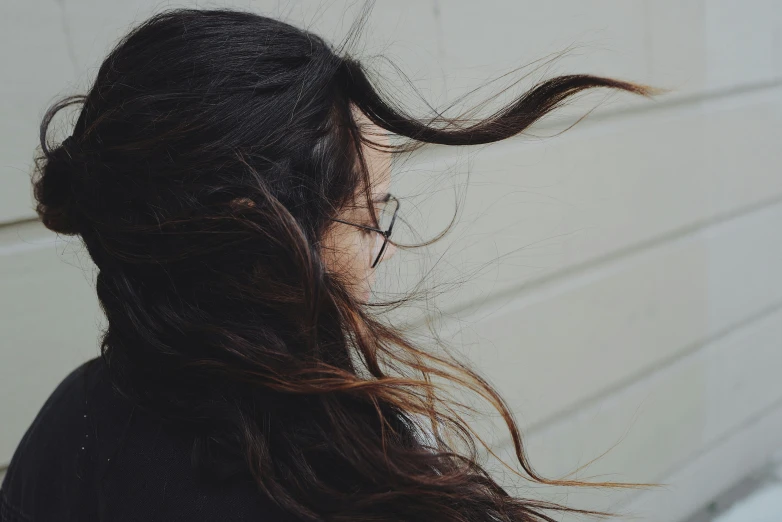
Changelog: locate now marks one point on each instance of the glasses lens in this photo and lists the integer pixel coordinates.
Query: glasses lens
(380, 254)
(386, 214)
(386, 218)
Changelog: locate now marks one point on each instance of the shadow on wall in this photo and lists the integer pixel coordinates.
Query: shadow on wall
(758, 498)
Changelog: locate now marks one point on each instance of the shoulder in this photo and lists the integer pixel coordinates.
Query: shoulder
(50, 447)
(91, 454)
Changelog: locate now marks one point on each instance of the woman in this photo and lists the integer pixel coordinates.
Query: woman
(228, 174)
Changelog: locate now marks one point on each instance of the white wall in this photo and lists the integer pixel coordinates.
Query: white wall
(625, 281)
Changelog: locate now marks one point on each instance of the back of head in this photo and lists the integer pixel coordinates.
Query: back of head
(205, 165)
(184, 112)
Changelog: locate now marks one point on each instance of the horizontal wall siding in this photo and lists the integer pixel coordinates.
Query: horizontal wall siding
(664, 422)
(534, 209)
(36, 66)
(706, 476)
(692, 47)
(49, 321)
(558, 345)
(621, 284)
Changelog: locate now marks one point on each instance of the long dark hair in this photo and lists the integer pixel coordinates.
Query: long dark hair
(204, 167)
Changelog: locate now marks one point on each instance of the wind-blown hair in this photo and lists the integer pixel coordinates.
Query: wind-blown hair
(202, 172)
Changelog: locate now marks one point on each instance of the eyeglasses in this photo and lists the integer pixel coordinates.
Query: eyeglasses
(385, 220)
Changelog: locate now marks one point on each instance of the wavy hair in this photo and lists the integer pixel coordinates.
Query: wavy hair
(204, 167)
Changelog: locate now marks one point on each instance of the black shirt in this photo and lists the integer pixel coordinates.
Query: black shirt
(89, 455)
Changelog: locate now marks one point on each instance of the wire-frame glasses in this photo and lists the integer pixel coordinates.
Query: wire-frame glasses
(385, 221)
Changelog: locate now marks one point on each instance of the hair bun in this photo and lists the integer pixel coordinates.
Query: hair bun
(53, 190)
